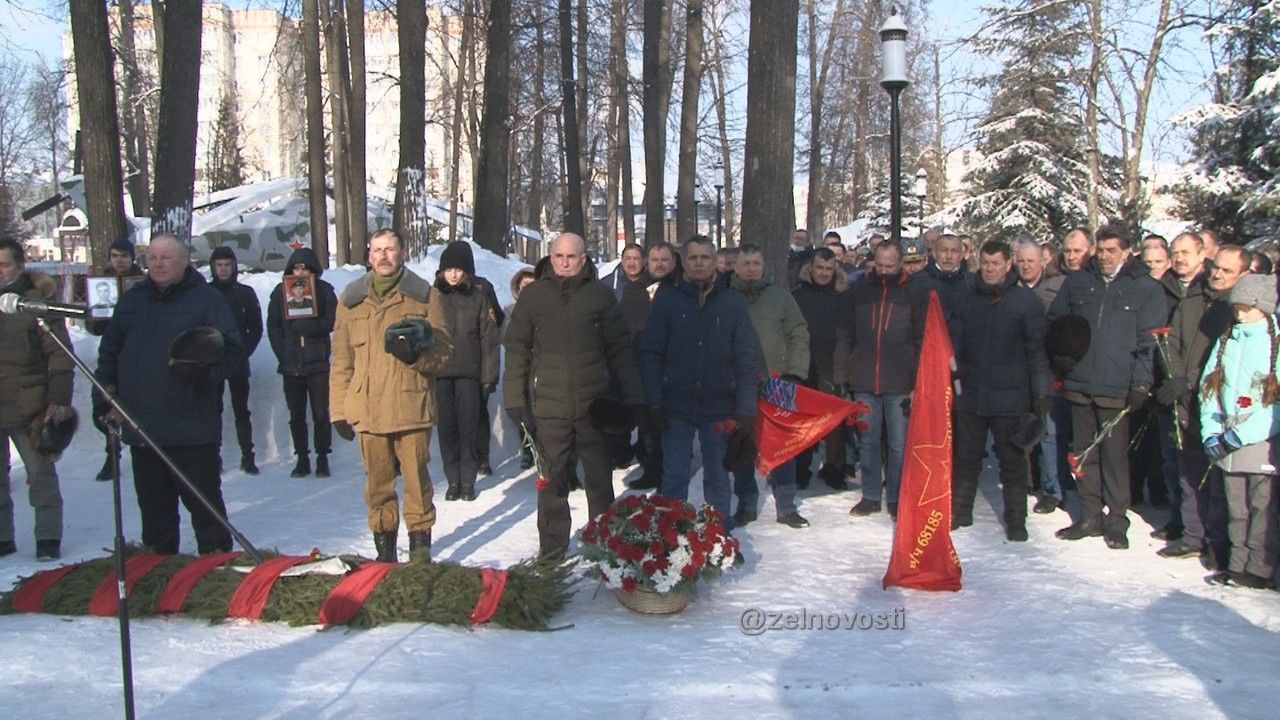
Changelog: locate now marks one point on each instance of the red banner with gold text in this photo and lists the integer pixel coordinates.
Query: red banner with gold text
(923, 556)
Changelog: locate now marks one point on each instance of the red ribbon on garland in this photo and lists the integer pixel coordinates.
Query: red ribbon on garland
(30, 597)
(105, 601)
(175, 593)
(252, 594)
(495, 582)
(349, 594)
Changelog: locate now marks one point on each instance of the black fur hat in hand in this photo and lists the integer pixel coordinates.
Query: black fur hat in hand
(610, 416)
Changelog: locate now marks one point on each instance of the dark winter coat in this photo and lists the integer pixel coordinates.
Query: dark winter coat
(486, 287)
(302, 345)
(134, 357)
(1000, 352)
(880, 334)
(1200, 319)
(243, 302)
(618, 282)
(474, 329)
(953, 287)
(821, 306)
(699, 356)
(1121, 315)
(796, 261)
(34, 372)
(1172, 291)
(567, 345)
(636, 298)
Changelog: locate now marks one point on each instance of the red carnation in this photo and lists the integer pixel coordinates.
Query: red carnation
(649, 567)
(861, 426)
(688, 571)
(628, 584)
(1058, 385)
(641, 522)
(1160, 331)
(656, 549)
(1244, 401)
(541, 483)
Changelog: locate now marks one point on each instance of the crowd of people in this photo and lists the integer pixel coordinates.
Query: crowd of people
(1113, 368)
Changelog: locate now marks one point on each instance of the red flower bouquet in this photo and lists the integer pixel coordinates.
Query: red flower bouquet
(657, 543)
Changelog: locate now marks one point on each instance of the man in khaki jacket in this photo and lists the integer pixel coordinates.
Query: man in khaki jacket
(389, 339)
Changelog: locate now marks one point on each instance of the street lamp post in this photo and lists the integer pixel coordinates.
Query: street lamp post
(719, 209)
(893, 78)
(921, 191)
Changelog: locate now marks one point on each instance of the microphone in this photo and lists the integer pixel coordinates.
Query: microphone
(11, 303)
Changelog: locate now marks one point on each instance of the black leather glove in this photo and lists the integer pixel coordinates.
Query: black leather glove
(792, 378)
(906, 406)
(745, 423)
(408, 338)
(1136, 397)
(1172, 390)
(344, 430)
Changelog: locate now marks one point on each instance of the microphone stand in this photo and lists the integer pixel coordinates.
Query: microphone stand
(126, 655)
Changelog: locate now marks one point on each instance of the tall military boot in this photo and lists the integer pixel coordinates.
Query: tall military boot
(303, 468)
(385, 543)
(420, 545)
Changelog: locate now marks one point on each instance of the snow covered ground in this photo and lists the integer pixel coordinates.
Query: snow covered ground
(1046, 628)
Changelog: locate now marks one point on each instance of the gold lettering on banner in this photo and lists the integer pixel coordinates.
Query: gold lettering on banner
(924, 537)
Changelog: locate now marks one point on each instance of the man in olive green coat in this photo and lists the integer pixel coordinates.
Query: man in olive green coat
(567, 345)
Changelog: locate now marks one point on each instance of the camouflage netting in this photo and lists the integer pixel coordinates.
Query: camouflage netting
(412, 592)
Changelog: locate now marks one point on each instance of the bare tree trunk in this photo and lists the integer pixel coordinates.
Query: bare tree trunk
(819, 71)
(687, 175)
(573, 217)
(335, 57)
(1092, 151)
(411, 190)
(938, 178)
(768, 204)
(132, 117)
(95, 87)
(357, 189)
(585, 159)
(492, 213)
(459, 93)
(729, 216)
(176, 134)
(316, 186)
(622, 91)
(657, 68)
(1137, 136)
(537, 148)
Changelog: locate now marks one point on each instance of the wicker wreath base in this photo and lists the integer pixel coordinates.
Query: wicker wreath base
(651, 602)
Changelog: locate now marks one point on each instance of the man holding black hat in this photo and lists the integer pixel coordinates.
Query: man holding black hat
(166, 349)
(389, 341)
(35, 382)
(1122, 305)
(1005, 376)
(248, 315)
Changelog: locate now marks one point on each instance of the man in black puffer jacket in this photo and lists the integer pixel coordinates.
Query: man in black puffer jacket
(1000, 352)
(820, 295)
(1114, 292)
(248, 315)
(567, 345)
(301, 345)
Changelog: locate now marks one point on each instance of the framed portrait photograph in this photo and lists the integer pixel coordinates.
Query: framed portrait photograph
(299, 297)
(102, 294)
(129, 281)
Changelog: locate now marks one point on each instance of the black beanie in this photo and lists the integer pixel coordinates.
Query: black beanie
(457, 255)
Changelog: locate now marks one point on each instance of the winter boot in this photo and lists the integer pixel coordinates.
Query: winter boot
(485, 468)
(247, 465)
(526, 457)
(303, 468)
(47, 550)
(108, 467)
(420, 545)
(322, 465)
(453, 493)
(865, 506)
(1016, 532)
(833, 476)
(1079, 530)
(467, 492)
(385, 543)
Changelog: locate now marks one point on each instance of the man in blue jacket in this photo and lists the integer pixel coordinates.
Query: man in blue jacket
(1005, 375)
(179, 410)
(1115, 293)
(699, 362)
